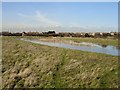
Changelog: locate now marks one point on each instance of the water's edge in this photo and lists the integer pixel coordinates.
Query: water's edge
(112, 50)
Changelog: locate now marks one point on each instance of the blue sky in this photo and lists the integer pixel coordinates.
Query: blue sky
(60, 14)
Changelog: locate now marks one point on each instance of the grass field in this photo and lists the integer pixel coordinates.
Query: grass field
(100, 41)
(27, 64)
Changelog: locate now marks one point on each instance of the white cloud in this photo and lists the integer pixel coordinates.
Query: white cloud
(23, 15)
(41, 19)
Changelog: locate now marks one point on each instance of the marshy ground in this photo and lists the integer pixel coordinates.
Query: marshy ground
(26, 64)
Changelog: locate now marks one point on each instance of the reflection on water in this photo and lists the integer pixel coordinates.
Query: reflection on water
(92, 44)
(112, 50)
(104, 46)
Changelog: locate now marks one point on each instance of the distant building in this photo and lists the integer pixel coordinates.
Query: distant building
(23, 33)
(49, 32)
(112, 33)
(101, 33)
(91, 34)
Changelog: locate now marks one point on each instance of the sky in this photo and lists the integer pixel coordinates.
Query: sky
(60, 0)
(60, 16)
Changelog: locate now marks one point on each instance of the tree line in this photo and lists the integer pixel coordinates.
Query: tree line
(64, 34)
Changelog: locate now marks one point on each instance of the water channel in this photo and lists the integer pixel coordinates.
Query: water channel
(112, 50)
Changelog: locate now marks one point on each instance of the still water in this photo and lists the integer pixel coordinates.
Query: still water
(112, 50)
